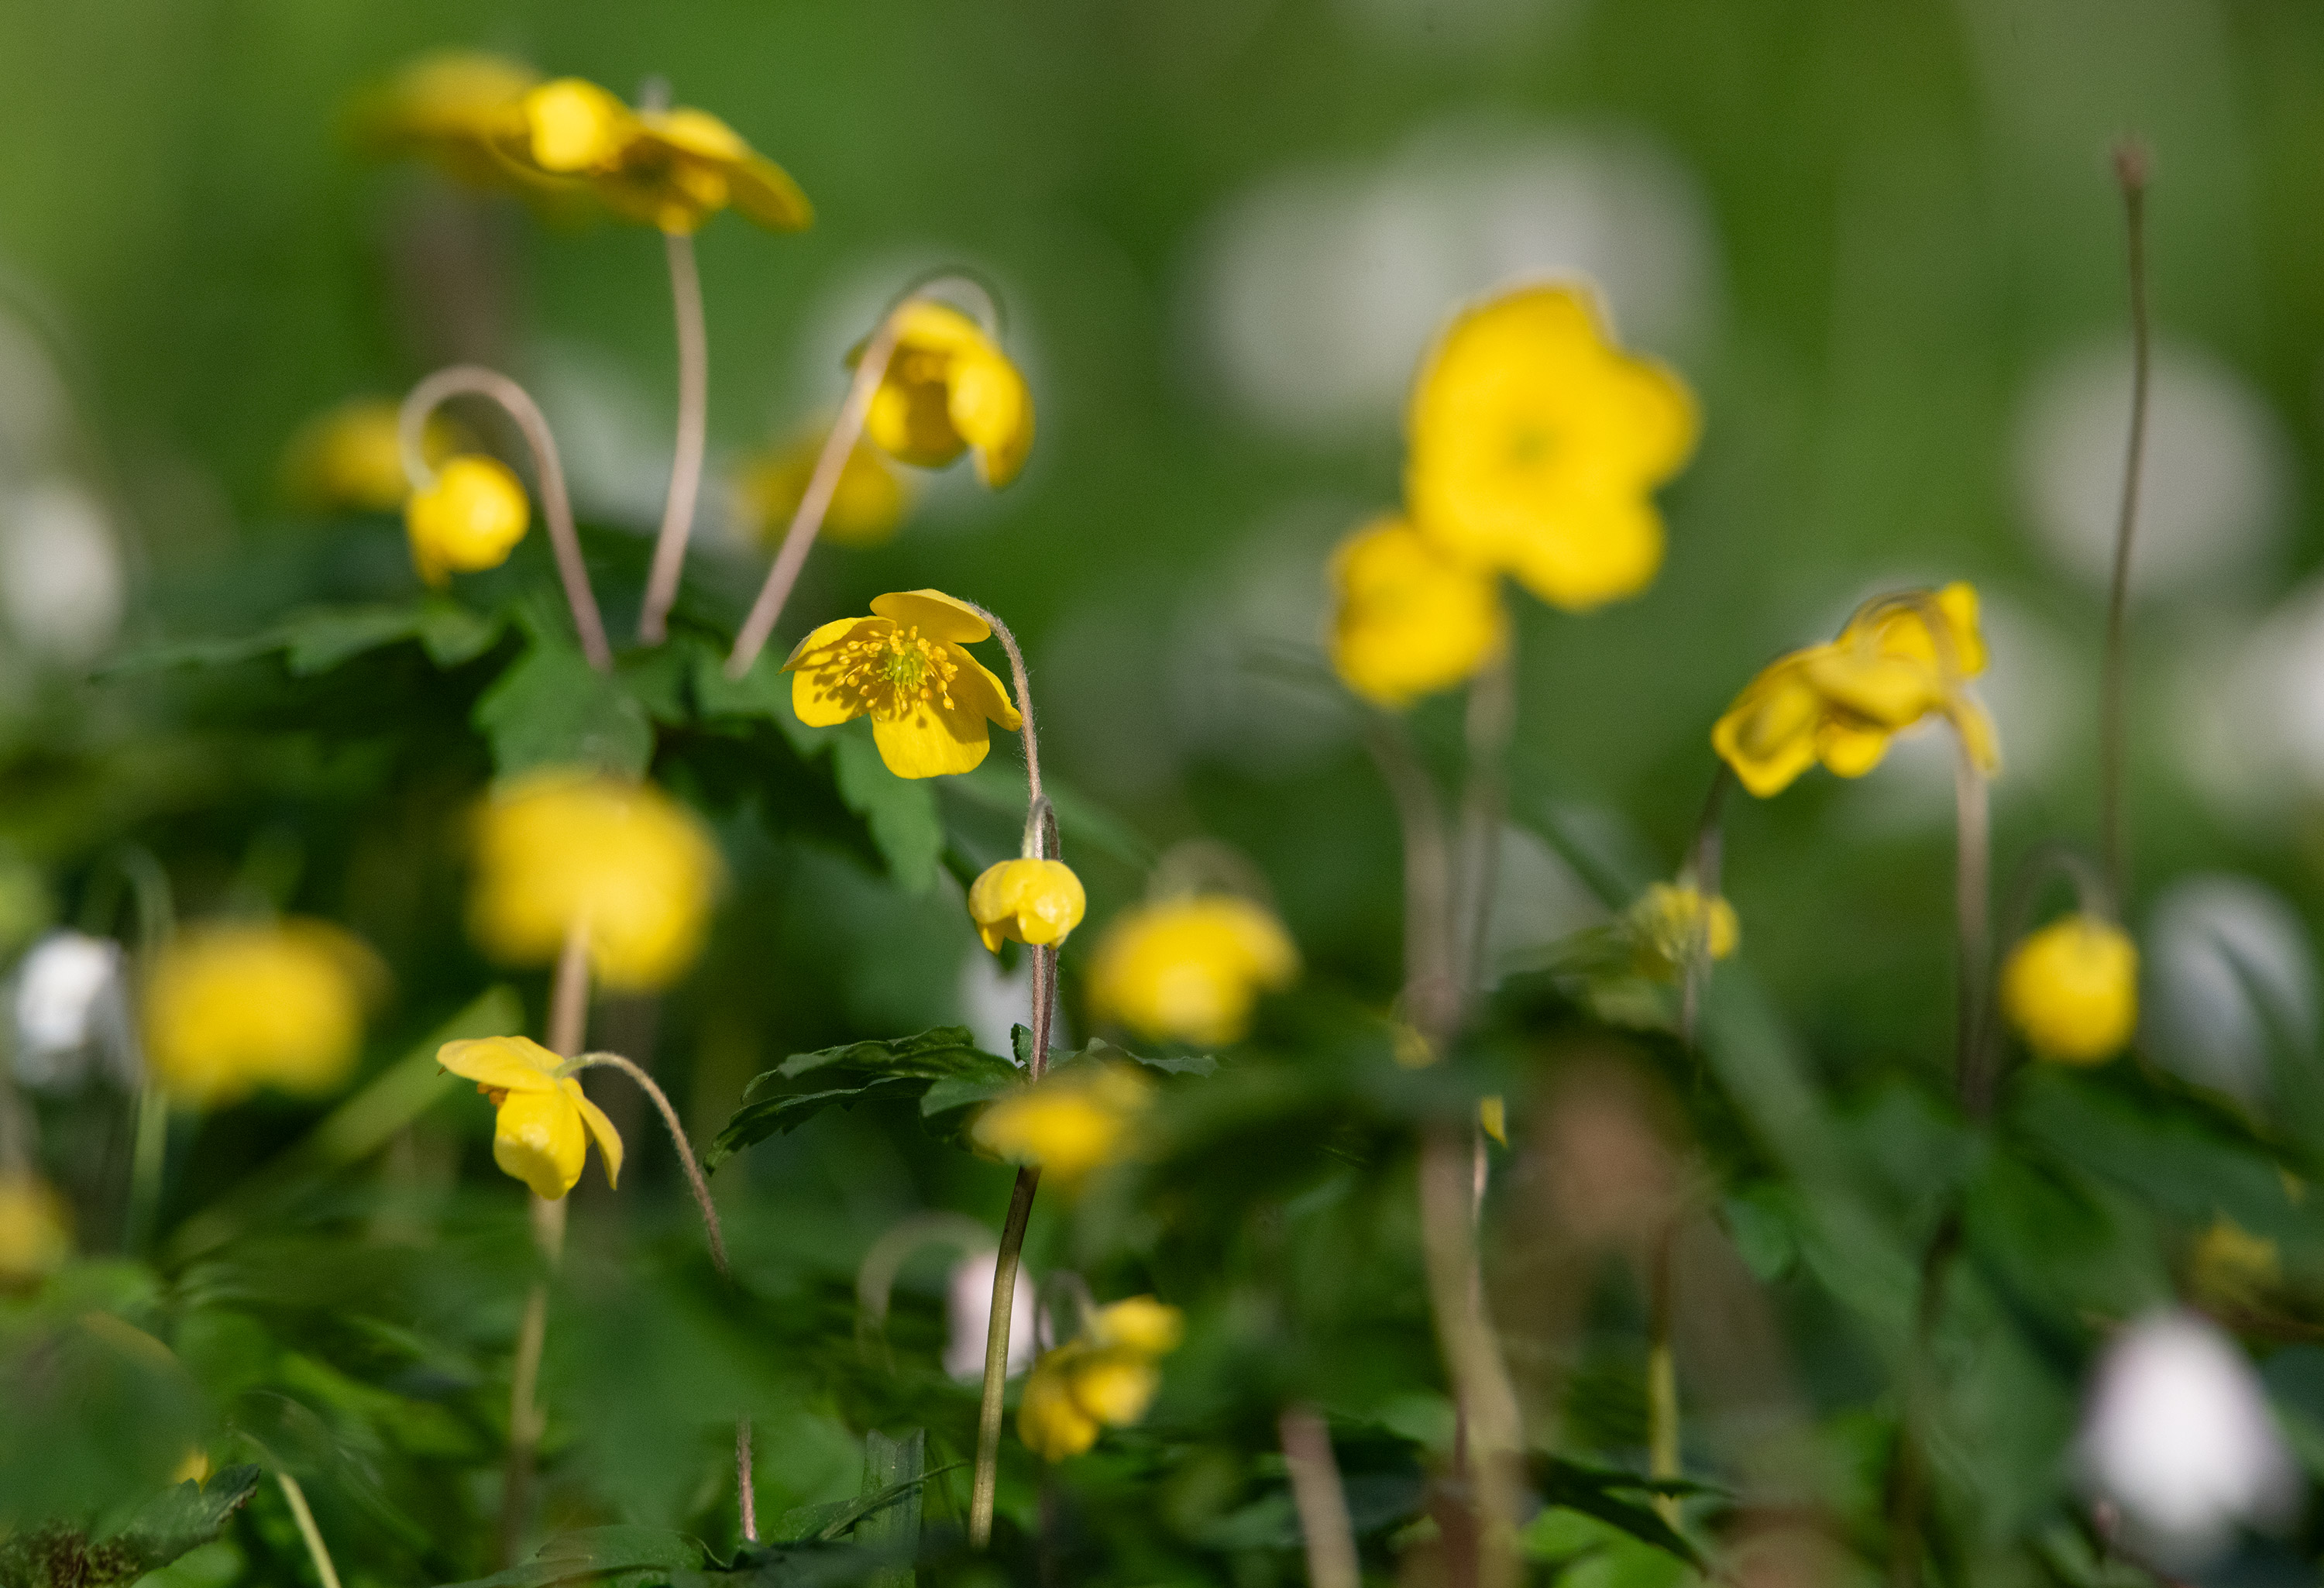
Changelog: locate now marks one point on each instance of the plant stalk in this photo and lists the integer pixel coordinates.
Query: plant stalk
(2130, 171)
(996, 1358)
(1322, 1502)
(317, 1552)
(692, 426)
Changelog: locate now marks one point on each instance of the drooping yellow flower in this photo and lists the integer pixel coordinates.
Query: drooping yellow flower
(1105, 1379)
(1672, 921)
(948, 389)
(2071, 990)
(458, 107)
(1407, 619)
(1035, 902)
(561, 847)
(231, 1007)
(867, 504)
(350, 458)
(469, 518)
(542, 1131)
(35, 1228)
(1190, 969)
(1841, 702)
(905, 668)
(1537, 445)
(670, 169)
(1069, 1122)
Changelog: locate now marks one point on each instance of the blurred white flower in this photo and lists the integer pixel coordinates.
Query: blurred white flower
(2212, 491)
(2230, 974)
(61, 583)
(2178, 1434)
(968, 1312)
(2247, 711)
(71, 1011)
(1317, 290)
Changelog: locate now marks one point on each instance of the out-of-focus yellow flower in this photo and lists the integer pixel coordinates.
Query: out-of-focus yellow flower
(905, 667)
(948, 389)
(1190, 969)
(350, 458)
(1036, 901)
(1841, 702)
(195, 1468)
(2233, 1270)
(1671, 921)
(35, 1228)
(867, 504)
(1106, 1379)
(457, 107)
(1493, 1118)
(1069, 1122)
(2071, 990)
(1407, 619)
(670, 169)
(469, 518)
(231, 1007)
(561, 848)
(1537, 445)
(545, 1124)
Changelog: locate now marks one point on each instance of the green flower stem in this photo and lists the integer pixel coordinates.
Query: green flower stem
(996, 1356)
(2130, 171)
(692, 426)
(300, 1513)
(1661, 1374)
(1321, 1500)
(556, 506)
(1702, 868)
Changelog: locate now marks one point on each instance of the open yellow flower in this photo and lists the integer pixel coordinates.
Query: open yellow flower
(460, 108)
(1035, 902)
(542, 1131)
(232, 1006)
(35, 1228)
(1407, 619)
(469, 518)
(905, 668)
(670, 169)
(2071, 990)
(1670, 920)
(1537, 444)
(564, 847)
(1069, 1122)
(948, 389)
(350, 458)
(867, 504)
(1900, 659)
(1190, 969)
(1106, 1379)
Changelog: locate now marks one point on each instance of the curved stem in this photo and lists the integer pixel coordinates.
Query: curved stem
(2130, 170)
(1035, 800)
(310, 1533)
(695, 1180)
(556, 506)
(693, 427)
(1320, 1500)
(996, 1358)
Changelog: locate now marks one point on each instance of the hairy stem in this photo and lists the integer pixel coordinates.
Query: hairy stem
(1036, 801)
(695, 1180)
(1323, 1504)
(2130, 170)
(296, 1498)
(996, 1358)
(556, 506)
(692, 426)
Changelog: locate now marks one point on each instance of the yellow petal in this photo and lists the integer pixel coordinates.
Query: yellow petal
(505, 1064)
(1851, 747)
(765, 192)
(819, 698)
(994, 412)
(1591, 553)
(600, 1131)
(576, 126)
(931, 741)
(927, 325)
(935, 614)
(538, 1139)
(977, 689)
(1768, 736)
(1141, 1323)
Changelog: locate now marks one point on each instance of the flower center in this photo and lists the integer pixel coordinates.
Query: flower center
(1530, 445)
(897, 670)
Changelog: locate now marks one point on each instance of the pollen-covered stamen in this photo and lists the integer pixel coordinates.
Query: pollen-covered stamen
(894, 669)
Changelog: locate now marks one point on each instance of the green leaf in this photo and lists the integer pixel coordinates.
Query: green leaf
(322, 638)
(901, 812)
(863, 1072)
(606, 1557)
(552, 708)
(1602, 1493)
(893, 1472)
(55, 1555)
(935, 1054)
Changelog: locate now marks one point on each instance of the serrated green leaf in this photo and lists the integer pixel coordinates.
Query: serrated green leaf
(900, 812)
(862, 1072)
(605, 1558)
(958, 1091)
(552, 708)
(56, 1555)
(935, 1053)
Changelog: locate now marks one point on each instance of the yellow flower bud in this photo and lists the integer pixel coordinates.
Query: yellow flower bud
(350, 458)
(1106, 1379)
(231, 1007)
(2071, 990)
(1191, 969)
(1068, 1123)
(35, 1229)
(948, 389)
(468, 519)
(1670, 921)
(544, 1125)
(1141, 1323)
(1035, 902)
(1408, 619)
(1049, 1420)
(1114, 1386)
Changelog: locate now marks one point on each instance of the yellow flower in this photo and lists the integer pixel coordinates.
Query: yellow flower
(2071, 990)
(948, 389)
(928, 699)
(193, 1467)
(544, 1126)
(1036, 901)
(670, 169)
(1190, 969)
(350, 458)
(1841, 702)
(1107, 1379)
(469, 518)
(867, 504)
(35, 1228)
(1068, 1123)
(457, 107)
(231, 1007)
(1537, 445)
(1493, 1118)
(1670, 920)
(1407, 619)
(562, 847)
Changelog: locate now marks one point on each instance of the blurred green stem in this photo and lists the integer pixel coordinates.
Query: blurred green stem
(1702, 874)
(1972, 888)
(150, 1161)
(996, 1357)
(2130, 171)
(305, 1517)
(1324, 1528)
(693, 424)
(1662, 1373)
(1909, 1478)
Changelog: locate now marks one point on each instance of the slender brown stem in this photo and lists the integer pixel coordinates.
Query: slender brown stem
(1429, 979)
(996, 1358)
(556, 506)
(309, 1534)
(692, 426)
(2130, 171)
(1972, 886)
(1322, 1502)
(744, 1486)
(1035, 800)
